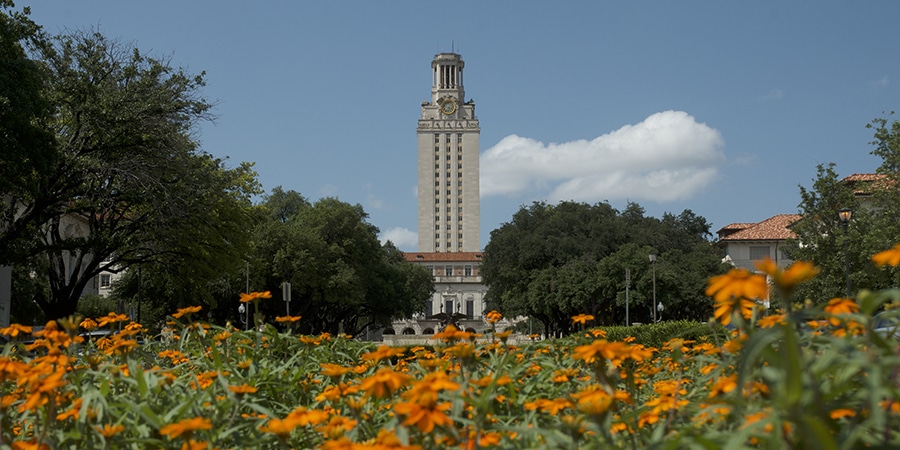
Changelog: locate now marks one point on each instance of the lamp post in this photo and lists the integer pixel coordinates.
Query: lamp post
(627, 286)
(653, 264)
(845, 215)
(659, 307)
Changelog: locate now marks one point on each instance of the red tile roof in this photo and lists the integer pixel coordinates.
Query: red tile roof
(443, 256)
(772, 229)
(862, 183)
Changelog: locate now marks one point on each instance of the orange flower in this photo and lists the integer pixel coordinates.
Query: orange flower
(382, 352)
(582, 318)
(452, 334)
(493, 317)
(110, 319)
(334, 370)
(888, 257)
(840, 306)
(771, 321)
(593, 400)
(186, 427)
(723, 385)
(255, 296)
(737, 283)
(788, 279)
(109, 431)
(242, 389)
(841, 413)
(425, 418)
(426, 390)
(14, 330)
(287, 319)
(384, 383)
(186, 311)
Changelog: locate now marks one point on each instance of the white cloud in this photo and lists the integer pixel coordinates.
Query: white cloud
(774, 94)
(884, 81)
(403, 238)
(669, 156)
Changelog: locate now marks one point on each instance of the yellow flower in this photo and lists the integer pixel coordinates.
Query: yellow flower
(888, 257)
(771, 321)
(582, 318)
(186, 427)
(255, 296)
(493, 317)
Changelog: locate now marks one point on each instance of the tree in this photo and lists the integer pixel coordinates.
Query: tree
(124, 182)
(552, 262)
(26, 140)
(823, 239)
(342, 278)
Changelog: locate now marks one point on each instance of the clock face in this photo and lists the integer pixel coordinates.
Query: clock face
(448, 106)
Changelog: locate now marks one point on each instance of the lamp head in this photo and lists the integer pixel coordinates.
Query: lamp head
(845, 215)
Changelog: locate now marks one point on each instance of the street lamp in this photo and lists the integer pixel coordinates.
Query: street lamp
(845, 215)
(653, 263)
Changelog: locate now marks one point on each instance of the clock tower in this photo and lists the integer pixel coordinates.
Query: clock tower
(448, 153)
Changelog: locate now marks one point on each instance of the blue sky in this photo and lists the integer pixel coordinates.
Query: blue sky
(723, 108)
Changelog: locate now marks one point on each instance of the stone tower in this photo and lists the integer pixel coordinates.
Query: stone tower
(448, 151)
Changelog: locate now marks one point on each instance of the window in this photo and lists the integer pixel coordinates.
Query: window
(437, 166)
(105, 280)
(430, 269)
(448, 209)
(437, 157)
(437, 209)
(470, 309)
(468, 271)
(460, 210)
(460, 235)
(437, 226)
(448, 236)
(459, 157)
(459, 183)
(448, 271)
(437, 201)
(448, 226)
(460, 226)
(437, 138)
(448, 191)
(448, 138)
(437, 183)
(448, 157)
(448, 183)
(759, 252)
(448, 165)
(437, 236)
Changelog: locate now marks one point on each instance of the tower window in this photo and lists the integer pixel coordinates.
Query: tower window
(437, 138)
(459, 157)
(448, 165)
(437, 166)
(459, 166)
(437, 226)
(437, 209)
(437, 183)
(437, 157)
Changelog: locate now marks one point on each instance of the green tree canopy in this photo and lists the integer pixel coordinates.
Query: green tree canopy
(342, 278)
(123, 180)
(824, 240)
(552, 262)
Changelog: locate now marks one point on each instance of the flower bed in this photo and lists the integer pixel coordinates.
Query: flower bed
(813, 377)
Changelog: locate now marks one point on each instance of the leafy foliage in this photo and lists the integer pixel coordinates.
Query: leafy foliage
(121, 180)
(554, 261)
(825, 241)
(342, 278)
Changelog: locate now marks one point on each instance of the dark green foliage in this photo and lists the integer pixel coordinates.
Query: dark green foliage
(552, 262)
(655, 335)
(342, 278)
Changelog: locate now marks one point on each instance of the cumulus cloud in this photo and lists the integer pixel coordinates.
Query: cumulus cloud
(403, 238)
(669, 156)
